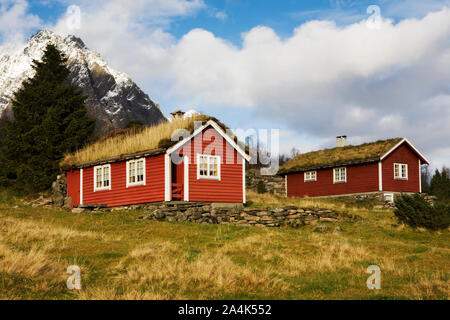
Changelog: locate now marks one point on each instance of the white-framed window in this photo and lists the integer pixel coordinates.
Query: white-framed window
(102, 177)
(208, 167)
(400, 171)
(136, 172)
(339, 175)
(310, 176)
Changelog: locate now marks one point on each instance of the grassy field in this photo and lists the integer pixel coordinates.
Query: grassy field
(122, 258)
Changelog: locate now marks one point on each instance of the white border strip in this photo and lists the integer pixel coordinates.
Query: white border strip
(186, 179)
(81, 186)
(380, 176)
(167, 178)
(420, 176)
(244, 198)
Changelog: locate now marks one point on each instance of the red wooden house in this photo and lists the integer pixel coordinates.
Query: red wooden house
(390, 166)
(207, 166)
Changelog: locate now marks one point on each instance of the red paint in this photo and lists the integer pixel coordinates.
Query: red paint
(73, 186)
(361, 178)
(119, 194)
(229, 188)
(403, 154)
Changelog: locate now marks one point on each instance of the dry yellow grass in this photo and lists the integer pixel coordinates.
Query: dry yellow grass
(131, 142)
(159, 260)
(340, 155)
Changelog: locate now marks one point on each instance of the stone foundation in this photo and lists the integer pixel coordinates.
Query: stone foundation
(234, 214)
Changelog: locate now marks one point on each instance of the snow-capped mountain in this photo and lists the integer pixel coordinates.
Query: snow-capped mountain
(113, 98)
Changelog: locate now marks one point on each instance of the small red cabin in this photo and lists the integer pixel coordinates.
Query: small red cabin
(391, 166)
(207, 166)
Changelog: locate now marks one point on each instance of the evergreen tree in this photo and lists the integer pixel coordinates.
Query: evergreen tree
(440, 185)
(50, 119)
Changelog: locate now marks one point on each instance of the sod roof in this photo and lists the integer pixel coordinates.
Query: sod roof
(364, 153)
(131, 143)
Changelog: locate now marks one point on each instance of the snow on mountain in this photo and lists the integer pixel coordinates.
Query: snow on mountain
(113, 98)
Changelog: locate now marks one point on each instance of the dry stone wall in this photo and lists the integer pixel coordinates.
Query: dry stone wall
(233, 214)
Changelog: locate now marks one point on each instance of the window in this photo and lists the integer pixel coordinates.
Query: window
(311, 176)
(102, 178)
(400, 171)
(340, 175)
(208, 167)
(136, 172)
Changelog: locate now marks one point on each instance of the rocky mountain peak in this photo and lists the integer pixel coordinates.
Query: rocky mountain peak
(113, 98)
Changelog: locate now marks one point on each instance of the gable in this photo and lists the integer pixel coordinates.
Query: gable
(218, 130)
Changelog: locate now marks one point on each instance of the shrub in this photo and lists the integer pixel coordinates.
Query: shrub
(417, 212)
(261, 187)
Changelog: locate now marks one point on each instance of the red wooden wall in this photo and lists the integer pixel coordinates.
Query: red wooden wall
(121, 195)
(230, 187)
(402, 154)
(360, 178)
(73, 186)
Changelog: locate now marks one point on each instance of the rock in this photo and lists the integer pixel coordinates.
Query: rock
(239, 206)
(287, 208)
(262, 213)
(67, 203)
(79, 210)
(337, 230)
(250, 218)
(277, 210)
(197, 215)
(332, 220)
(321, 228)
(158, 214)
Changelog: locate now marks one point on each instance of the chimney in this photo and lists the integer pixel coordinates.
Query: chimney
(341, 141)
(178, 114)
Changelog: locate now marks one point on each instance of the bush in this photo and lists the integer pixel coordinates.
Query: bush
(261, 187)
(417, 212)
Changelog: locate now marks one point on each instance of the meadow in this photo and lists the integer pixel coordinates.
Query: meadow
(124, 258)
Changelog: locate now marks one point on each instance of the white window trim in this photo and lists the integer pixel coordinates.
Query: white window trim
(399, 171)
(334, 175)
(140, 183)
(310, 179)
(95, 178)
(218, 167)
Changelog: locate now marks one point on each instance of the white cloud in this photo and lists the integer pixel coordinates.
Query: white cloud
(322, 81)
(15, 23)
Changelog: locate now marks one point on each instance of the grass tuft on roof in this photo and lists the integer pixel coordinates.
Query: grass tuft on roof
(125, 142)
(339, 156)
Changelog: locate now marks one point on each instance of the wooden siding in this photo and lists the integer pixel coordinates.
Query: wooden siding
(403, 154)
(230, 187)
(360, 178)
(73, 186)
(119, 194)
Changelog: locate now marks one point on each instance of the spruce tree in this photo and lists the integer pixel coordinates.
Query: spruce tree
(50, 119)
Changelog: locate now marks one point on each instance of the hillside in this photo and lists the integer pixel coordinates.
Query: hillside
(113, 98)
(124, 258)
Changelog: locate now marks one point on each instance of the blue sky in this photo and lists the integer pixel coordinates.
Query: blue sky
(313, 69)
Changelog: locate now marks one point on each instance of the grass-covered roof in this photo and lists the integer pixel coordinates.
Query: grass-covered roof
(149, 140)
(340, 156)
